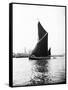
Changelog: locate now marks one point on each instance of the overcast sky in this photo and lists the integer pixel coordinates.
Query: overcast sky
(25, 27)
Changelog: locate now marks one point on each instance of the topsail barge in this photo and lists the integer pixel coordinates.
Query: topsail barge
(41, 49)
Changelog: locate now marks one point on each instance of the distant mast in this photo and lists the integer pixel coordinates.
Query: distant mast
(41, 49)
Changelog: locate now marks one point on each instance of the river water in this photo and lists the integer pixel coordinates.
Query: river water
(38, 72)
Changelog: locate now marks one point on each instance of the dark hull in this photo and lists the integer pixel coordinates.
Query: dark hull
(39, 58)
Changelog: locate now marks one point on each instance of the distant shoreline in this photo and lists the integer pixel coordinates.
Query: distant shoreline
(25, 56)
(20, 56)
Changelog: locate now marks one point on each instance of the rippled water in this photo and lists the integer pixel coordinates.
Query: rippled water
(38, 72)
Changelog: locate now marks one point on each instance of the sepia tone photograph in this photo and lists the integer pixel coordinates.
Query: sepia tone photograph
(37, 42)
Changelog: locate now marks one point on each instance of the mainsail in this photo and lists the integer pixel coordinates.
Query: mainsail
(41, 49)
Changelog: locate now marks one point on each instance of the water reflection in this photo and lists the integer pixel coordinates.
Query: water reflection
(40, 71)
(37, 72)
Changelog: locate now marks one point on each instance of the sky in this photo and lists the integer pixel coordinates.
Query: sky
(25, 27)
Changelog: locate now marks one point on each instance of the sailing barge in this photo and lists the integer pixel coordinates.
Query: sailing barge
(41, 49)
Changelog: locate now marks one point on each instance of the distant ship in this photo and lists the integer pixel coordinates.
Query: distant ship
(41, 49)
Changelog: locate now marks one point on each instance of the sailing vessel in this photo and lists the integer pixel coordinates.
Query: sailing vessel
(41, 49)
